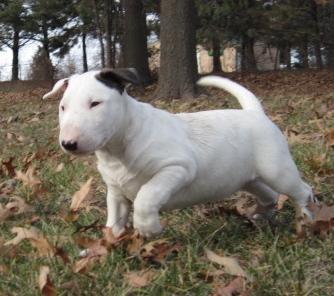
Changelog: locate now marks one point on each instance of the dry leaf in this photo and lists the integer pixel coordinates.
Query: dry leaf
(35, 238)
(3, 269)
(84, 193)
(139, 279)
(96, 252)
(135, 244)
(44, 282)
(60, 167)
(323, 221)
(16, 206)
(28, 178)
(281, 200)
(9, 167)
(8, 186)
(157, 251)
(235, 287)
(230, 264)
(330, 138)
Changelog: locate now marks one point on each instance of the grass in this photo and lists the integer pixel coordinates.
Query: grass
(279, 262)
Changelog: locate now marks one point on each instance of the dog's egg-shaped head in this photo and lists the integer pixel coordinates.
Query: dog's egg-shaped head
(92, 108)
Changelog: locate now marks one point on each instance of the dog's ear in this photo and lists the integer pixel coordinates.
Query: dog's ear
(118, 78)
(58, 88)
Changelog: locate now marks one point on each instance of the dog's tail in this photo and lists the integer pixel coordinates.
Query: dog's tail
(247, 100)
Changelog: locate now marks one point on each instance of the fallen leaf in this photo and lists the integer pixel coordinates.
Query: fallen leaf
(60, 167)
(157, 251)
(28, 178)
(84, 193)
(135, 243)
(230, 264)
(235, 287)
(96, 252)
(44, 283)
(9, 167)
(330, 138)
(323, 222)
(7, 186)
(35, 238)
(3, 269)
(140, 279)
(281, 200)
(16, 206)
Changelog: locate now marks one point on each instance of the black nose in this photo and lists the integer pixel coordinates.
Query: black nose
(69, 145)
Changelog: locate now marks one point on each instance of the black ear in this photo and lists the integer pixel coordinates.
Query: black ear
(118, 78)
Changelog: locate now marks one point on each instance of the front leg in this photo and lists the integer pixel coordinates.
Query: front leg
(118, 210)
(154, 194)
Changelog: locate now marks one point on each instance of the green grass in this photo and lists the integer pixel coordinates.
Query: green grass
(279, 262)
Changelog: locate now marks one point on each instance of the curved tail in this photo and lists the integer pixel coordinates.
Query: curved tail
(247, 100)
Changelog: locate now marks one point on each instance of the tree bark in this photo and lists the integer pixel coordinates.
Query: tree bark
(84, 53)
(99, 33)
(15, 49)
(217, 67)
(135, 53)
(178, 64)
(248, 62)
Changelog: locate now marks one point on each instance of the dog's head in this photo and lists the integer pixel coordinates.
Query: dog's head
(91, 110)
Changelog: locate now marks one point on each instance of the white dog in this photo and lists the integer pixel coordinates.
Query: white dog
(162, 161)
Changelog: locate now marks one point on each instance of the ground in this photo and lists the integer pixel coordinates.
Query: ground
(277, 260)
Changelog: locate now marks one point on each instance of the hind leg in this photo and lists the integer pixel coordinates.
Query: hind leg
(264, 194)
(283, 177)
(266, 198)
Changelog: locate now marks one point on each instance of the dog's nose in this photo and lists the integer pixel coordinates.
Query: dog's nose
(69, 145)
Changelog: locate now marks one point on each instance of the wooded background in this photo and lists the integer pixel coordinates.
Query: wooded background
(300, 28)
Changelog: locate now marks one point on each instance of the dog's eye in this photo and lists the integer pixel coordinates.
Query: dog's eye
(94, 104)
(62, 108)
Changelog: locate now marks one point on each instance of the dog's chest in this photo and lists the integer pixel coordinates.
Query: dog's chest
(114, 173)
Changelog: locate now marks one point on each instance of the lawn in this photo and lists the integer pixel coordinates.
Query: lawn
(40, 180)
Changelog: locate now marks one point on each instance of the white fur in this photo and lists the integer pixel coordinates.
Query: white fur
(162, 161)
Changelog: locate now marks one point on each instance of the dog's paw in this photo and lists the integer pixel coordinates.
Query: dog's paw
(147, 226)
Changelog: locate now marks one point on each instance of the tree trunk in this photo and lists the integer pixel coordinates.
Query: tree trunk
(248, 62)
(303, 53)
(317, 42)
(99, 32)
(135, 53)
(287, 56)
(318, 58)
(84, 52)
(108, 24)
(217, 67)
(46, 41)
(178, 69)
(329, 51)
(15, 49)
